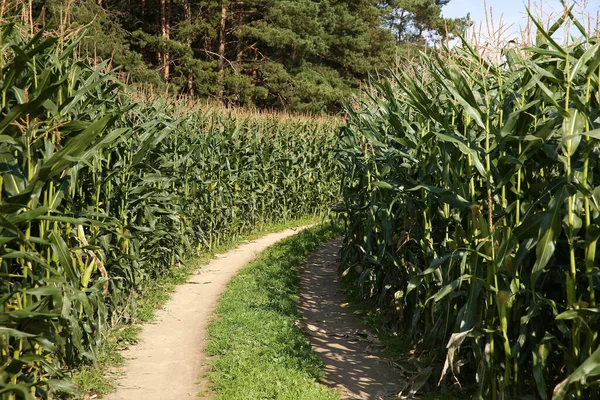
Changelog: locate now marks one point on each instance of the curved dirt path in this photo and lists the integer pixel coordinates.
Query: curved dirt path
(169, 361)
(351, 357)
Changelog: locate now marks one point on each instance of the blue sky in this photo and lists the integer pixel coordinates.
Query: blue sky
(512, 11)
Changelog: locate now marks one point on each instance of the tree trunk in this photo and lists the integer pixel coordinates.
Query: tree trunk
(190, 75)
(401, 26)
(240, 48)
(221, 66)
(165, 27)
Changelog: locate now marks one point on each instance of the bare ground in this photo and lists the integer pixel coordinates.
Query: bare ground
(169, 360)
(352, 358)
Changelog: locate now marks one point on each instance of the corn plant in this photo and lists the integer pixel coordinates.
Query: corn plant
(472, 203)
(101, 192)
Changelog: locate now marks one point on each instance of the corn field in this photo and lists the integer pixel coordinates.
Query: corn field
(101, 193)
(471, 196)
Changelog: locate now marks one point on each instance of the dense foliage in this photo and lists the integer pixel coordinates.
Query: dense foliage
(471, 194)
(301, 55)
(100, 193)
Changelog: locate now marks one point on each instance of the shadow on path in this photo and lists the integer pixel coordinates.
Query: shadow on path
(351, 356)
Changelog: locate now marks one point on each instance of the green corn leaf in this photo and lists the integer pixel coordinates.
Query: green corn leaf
(572, 130)
(60, 248)
(590, 368)
(548, 34)
(11, 388)
(14, 332)
(27, 216)
(12, 177)
(462, 146)
(540, 357)
(548, 234)
(584, 60)
(580, 312)
(21, 110)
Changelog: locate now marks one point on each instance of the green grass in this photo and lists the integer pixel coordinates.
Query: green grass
(259, 351)
(101, 377)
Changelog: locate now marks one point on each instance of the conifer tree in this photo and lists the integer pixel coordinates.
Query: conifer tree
(300, 55)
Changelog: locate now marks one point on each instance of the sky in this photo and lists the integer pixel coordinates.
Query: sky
(513, 12)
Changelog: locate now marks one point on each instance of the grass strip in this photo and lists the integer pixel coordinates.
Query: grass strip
(260, 353)
(101, 377)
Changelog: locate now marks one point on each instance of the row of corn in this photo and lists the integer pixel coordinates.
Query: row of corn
(472, 200)
(100, 193)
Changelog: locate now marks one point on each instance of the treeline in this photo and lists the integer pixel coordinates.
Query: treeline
(301, 55)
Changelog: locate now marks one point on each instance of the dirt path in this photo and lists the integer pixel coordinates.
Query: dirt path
(169, 361)
(350, 354)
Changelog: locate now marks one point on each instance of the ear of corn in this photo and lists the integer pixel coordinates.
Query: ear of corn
(471, 194)
(100, 193)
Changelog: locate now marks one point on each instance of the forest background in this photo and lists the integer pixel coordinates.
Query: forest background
(299, 55)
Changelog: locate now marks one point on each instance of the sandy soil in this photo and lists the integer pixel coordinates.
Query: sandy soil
(351, 355)
(169, 363)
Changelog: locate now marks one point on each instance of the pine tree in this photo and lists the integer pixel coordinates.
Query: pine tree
(414, 21)
(300, 55)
